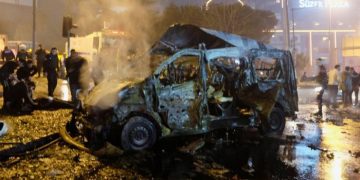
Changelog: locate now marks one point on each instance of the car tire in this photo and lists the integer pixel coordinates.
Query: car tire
(138, 134)
(275, 124)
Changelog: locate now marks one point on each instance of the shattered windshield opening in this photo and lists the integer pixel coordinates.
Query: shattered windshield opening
(182, 70)
(267, 68)
(156, 60)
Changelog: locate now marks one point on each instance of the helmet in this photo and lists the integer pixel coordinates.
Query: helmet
(22, 47)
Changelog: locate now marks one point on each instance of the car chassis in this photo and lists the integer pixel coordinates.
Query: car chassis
(214, 81)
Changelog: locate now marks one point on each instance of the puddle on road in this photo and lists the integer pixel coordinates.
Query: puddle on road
(304, 159)
(251, 157)
(246, 156)
(340, 140)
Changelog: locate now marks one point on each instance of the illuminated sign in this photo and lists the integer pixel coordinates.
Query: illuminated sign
(323, 3)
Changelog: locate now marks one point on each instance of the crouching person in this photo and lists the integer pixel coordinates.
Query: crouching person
(19, 100)
(25, 72)
(19, 97)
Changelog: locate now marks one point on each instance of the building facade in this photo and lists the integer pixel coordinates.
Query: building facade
(317, 28)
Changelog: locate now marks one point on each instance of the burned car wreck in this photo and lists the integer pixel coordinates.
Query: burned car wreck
(209, 80)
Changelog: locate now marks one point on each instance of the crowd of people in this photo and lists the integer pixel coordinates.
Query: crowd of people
(347, 81)
(17, 71)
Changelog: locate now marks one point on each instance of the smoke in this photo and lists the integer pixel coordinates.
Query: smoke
(120, 58)
(127, 24)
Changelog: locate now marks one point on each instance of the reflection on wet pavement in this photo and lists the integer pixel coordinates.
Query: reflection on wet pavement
(62, 90)
(305, 159)
(65, 91)
(340, 141)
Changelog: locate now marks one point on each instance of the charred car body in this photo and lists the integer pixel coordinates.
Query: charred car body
(209, 80)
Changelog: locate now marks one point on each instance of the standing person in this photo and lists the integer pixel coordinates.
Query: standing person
(22, 55)
(7, 54)
(76, 68)
(333, 84)
(40, 59)
(346, 86)
(355, 77)
(51, 67)
(322, 79)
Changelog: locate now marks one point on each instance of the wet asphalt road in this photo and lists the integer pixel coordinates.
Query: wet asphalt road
(309, 149)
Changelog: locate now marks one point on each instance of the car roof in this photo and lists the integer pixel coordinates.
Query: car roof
(179, 37)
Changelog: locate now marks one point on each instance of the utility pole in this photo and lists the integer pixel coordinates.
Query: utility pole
(332, 59)
(285, 12)
(293, 30)
(34, 30)
(68, 44)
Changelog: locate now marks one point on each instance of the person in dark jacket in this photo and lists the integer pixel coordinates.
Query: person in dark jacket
(40, 59)
(76, 68)
(51, 67)
(19, 100)
(355, 78)
(25, 72)
(346, 86)
(322, 79)
(7, 54)
(22, 55)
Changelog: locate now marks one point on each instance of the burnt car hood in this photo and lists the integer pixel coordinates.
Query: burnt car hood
(178, 37)
(107, 94)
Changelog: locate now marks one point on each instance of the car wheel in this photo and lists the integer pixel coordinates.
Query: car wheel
(275, 124)
(138, 134)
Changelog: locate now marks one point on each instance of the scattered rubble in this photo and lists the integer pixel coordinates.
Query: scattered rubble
(357, 170)
(330, 155)
(3, 128)
(355, 154)
(313, 147)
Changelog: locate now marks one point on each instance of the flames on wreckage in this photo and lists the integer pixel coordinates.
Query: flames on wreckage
(210, 80)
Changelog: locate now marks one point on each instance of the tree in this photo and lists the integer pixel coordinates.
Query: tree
(301, 63)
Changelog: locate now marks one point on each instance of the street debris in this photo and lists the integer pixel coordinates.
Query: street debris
(355, 154)
(28, 148)
(248, 167)
(330, 155)
(3, 128)
(313, 147)
(357, 170)
(193, 146)
(300, 128)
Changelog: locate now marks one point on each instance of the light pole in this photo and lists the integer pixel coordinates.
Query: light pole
(285, 12)
(293, 37)
(34, 30)
(293, 28)
(331, 57)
